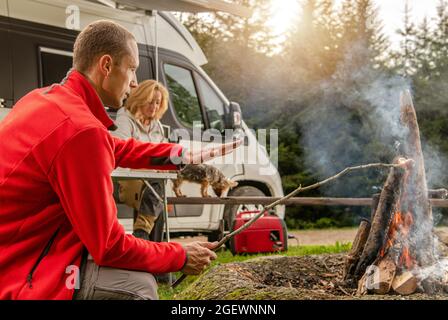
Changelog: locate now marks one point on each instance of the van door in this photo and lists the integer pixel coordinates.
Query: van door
(196, 105)
(188, 114)
(216, 112)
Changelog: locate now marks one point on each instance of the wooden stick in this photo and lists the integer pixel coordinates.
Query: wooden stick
(290, 195)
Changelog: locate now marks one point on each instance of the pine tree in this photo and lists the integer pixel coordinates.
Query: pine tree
(424, 49)
(313, 45)
(371, 30)
(405, 60)
(440, 38)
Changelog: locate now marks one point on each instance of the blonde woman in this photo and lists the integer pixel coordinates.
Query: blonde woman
(140, 119)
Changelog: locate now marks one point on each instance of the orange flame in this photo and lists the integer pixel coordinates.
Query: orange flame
(399, 230)
(406, 259)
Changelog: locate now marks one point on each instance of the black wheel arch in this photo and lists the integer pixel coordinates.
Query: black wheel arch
(257, 184)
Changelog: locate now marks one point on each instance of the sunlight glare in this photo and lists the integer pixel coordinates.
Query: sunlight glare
(283, 15)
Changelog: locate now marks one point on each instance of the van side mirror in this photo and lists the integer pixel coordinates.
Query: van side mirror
(235, 116)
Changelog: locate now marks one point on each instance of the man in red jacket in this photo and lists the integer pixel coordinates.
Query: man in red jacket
(56, 198)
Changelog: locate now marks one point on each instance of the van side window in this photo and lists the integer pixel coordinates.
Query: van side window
(214, 106)
(54, 65)
(183, 95)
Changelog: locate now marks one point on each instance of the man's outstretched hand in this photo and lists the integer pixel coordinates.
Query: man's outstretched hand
(203, 155)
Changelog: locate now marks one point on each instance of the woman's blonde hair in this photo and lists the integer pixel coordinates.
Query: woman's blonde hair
(144, 93)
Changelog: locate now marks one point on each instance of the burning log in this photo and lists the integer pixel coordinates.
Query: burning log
(383, 267)
(386, 204)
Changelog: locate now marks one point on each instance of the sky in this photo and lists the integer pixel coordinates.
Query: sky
(391, 12)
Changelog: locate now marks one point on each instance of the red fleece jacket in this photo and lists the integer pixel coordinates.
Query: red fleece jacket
(56, 193)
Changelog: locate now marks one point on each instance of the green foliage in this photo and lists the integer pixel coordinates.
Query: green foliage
(186, 105)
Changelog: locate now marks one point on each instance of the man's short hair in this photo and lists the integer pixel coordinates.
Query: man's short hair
(100, 38)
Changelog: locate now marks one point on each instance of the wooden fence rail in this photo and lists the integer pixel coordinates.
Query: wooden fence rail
(303, 201)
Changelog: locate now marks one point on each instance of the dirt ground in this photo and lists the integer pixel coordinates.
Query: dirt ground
(308, 237)
(315, 277)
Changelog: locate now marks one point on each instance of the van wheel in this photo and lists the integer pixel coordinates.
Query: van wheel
(230, 212)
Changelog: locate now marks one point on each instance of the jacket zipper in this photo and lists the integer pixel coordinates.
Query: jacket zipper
(29, 278)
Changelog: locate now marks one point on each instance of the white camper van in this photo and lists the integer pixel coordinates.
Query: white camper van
(36, 41)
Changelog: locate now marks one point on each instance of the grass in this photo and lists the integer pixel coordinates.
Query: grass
(166, 293)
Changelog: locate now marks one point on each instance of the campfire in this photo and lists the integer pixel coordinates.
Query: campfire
(395, 252)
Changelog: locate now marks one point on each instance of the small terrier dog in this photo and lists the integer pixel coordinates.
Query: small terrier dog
(205, 175)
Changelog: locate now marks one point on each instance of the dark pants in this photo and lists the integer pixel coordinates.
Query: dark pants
(147, 206)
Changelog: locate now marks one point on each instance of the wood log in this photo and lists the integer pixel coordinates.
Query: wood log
(378, 279)
(416, 188)
(375, 201)
(442, 235)
(405, 283)
(362, 285)
(378, 231)
(382, 282)
(351, 261)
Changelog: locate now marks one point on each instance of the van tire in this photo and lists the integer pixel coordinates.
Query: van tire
(231, 211)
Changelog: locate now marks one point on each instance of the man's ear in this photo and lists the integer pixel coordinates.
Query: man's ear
(105, 63)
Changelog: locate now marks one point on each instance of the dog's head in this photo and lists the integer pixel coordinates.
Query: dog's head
(223, 187)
